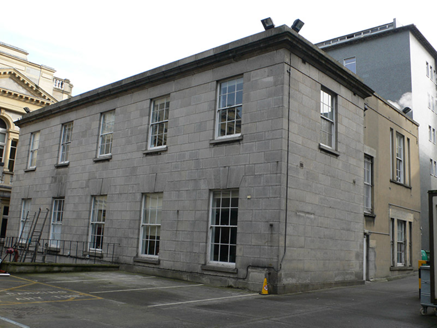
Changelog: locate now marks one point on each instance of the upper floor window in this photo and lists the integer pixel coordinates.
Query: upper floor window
(33, 149)
(351, 63)
(64, 149)
(328, 116)
(3, 138)
(368, 184)
(12, 155)
(159, 122)
(427, 69)
(230, 108)
(106, 131)
(400, 158)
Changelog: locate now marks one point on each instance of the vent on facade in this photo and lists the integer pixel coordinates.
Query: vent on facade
(406, 110)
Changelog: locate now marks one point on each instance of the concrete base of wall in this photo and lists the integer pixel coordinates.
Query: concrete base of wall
(252, 281)
(16, 267)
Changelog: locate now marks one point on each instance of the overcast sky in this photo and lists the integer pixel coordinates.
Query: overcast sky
(94, 42)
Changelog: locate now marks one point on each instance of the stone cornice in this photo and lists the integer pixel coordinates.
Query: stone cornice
(278, 38)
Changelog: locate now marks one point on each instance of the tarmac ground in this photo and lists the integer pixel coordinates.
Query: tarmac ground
(122, 299)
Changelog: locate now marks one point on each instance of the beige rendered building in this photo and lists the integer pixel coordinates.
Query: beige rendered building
(24, 86)
(392, 191)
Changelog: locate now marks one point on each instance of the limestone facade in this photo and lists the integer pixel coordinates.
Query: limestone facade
(221, 167)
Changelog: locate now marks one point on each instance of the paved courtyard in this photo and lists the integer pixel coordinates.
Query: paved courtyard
(121, 299)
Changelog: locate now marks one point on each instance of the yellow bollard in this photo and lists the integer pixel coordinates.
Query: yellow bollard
(265, 290)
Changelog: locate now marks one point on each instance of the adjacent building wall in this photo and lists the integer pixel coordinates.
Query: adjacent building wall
(392, 201)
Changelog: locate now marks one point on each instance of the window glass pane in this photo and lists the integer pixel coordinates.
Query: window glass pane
(224, 219)
(151, 224)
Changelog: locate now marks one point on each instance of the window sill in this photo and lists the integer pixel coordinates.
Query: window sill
(102, 158)
(329, 150)
(30, 169)
(148, 260)
(94, 253)
(400, 184)
(401, 268)
(226, 139)
(53, 250)
(155, 151)
(66, 164)
(370, 215)
(219, 268)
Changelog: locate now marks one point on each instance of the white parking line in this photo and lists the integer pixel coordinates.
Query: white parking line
(146, 288)
(91, 280)
(204, 300)
(13, 322)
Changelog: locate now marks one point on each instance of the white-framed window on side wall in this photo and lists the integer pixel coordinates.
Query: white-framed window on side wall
(56, 222)
(229, 108)
(150, 230)
(328, 118)
(368, 167)
(223, 227)
(430, 132)
(64, 148)
(107, 120)
(400, 238)
(33, 149)
(159, 122)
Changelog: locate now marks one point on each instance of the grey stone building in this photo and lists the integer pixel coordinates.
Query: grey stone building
(238, 163)
(399, 63)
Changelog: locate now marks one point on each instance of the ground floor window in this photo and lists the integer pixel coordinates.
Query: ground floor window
(98, 218)
(25, 219)
(223, 226)
(56, 222)
(401, 243)
(150, 231)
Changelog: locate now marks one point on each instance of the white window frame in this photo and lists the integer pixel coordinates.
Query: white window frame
(401, 243)
(56, 222)
(368, 177)
(150, 227)
(400, 158)
(97, 222)
(430, 133)
(328, 114)
(351, 64)
(35, 138)
(64, 147)
(223, 221)
(158, 128)
(26, 205)
(12, 155)
(3, 143)
(106, 132)
(229, 113)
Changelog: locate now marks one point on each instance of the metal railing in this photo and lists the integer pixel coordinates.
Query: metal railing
(59, 251)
